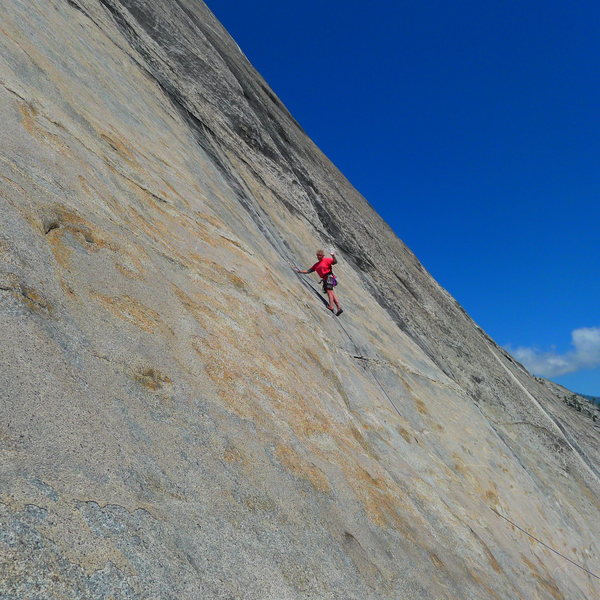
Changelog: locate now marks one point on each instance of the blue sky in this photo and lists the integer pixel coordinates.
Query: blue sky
(473, 128)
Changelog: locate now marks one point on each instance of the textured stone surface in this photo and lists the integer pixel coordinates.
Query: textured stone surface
(170, 426)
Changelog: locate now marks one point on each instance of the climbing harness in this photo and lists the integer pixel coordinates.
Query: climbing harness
(329, 282)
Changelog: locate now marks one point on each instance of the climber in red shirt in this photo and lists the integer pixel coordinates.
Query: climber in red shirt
(323, 269)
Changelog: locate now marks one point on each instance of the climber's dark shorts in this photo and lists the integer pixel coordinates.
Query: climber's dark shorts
(327, 283)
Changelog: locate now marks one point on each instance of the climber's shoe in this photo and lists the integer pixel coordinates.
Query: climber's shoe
(339, 312)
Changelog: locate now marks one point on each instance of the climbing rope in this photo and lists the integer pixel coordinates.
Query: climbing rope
(356, 349)
(543, 544)
(376, 379)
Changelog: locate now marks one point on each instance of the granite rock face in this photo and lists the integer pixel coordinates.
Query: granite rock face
(181, 418)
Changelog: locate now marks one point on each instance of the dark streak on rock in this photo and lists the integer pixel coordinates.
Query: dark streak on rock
(76, 6)
(50, 227)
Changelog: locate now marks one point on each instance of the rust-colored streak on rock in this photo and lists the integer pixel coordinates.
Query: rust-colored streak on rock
(302, 468)
(131, 310)
(31, 122)
(545, 582)
(421, 407)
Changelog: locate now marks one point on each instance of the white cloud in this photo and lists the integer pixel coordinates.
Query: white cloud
(584, 355)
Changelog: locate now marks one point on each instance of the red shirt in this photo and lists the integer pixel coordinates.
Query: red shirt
(323, 267)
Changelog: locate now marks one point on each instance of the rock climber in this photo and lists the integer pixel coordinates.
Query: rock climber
(323, 269)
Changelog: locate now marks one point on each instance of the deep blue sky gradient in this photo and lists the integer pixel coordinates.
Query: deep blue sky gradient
(472, 127)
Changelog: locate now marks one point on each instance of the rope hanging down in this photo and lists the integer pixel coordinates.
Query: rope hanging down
(309, 285)
(545, 545)
(366, 366)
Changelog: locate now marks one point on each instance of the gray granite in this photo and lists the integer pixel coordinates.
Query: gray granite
(180, 416)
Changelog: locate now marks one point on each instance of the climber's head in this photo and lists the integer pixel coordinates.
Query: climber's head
(320, 254)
